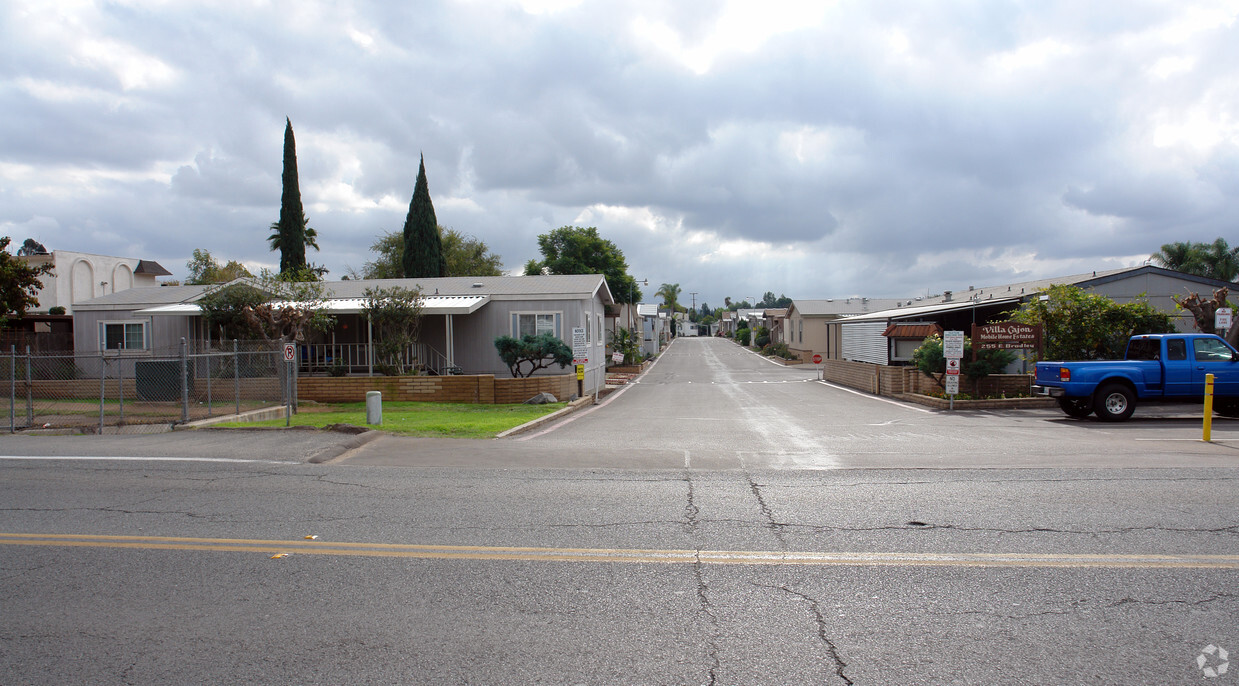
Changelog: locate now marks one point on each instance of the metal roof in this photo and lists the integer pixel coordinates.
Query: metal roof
(545, 287)
(938, 308)
(435, 304)
(840, 307)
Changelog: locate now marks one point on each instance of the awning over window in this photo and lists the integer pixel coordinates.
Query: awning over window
(917, 331)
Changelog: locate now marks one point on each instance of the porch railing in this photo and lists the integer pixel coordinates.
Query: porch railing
(356, 358)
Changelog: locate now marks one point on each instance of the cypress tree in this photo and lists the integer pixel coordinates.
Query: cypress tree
(290, 232)
(423, 250)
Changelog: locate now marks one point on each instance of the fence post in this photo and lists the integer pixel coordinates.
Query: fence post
(12, 389)
(210, 404)
(184, 380)
(103, 379)
(29, 392)
(236, 375)
(120, 385)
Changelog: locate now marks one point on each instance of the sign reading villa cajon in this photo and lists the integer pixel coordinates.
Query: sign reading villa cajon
(1006, 336)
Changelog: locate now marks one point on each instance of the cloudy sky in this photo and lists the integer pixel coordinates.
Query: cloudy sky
(816, 149)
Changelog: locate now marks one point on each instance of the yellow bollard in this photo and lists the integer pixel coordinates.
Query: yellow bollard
(1208, 408)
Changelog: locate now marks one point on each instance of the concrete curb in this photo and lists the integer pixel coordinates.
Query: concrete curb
(347, 447)
(259, 415)
(558, 414)
(994, 404)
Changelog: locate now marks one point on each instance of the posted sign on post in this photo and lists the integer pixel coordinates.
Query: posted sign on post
(953, 344)
(1223, 318)
(580, 350)
(953, 351)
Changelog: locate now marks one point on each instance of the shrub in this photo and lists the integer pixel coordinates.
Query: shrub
(742, 335)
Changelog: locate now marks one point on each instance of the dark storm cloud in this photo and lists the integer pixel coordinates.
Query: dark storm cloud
(856, 148)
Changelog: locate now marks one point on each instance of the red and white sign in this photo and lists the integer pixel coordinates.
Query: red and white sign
(817, 359)
(290, 352)
(952, 366)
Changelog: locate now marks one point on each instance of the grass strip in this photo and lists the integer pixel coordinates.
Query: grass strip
(452, 420)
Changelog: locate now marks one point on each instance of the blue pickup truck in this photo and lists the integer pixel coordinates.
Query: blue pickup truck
(1157, 368)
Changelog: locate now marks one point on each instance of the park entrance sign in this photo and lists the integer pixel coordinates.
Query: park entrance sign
(1006, 336)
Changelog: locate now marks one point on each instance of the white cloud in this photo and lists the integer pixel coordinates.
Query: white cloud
(816, 149)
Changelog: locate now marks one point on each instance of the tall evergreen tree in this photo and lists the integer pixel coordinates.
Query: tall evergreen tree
(291, 233)
(423, 250)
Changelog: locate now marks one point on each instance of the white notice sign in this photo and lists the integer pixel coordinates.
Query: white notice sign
(952, 385)
(1222, 318)
(953, 344)
(580, 351)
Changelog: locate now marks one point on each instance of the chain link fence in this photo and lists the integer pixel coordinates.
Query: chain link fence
(118, 392)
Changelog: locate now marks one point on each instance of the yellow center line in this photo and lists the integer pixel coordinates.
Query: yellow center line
(648, 556)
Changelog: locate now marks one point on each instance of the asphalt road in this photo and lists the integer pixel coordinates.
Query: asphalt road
(723, 521)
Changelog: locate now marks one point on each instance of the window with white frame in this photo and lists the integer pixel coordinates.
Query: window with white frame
(536, 323)
(123, 335)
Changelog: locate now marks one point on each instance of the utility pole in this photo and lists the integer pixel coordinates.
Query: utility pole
(694, 294)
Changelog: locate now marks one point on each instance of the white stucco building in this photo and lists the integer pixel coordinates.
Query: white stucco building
(79, 276)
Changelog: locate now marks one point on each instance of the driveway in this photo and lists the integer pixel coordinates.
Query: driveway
(707, 403)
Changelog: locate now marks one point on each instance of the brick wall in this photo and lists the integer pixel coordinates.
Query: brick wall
(480, 388)
(220, 389)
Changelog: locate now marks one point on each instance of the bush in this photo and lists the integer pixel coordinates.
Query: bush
(742, 336)
(762, 341)
(777, 350)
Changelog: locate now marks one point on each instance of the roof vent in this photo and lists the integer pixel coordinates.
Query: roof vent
(477, 284)
(946, 296)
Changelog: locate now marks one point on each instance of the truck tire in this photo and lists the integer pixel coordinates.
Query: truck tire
(1114, 402)
(1076, 407)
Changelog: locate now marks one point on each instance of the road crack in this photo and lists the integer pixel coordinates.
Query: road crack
(832, 651)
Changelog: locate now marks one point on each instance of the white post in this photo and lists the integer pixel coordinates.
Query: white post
(374, 408)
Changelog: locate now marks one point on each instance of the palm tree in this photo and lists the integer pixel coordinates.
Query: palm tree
(1220, 260)
(670, 293)
(1215, 260)
(1180, 256)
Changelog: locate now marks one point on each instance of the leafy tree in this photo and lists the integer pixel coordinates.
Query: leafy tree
(224, 309)
(1078, 325)
(291, 233)
(422, 256)
(31, 247)
(929, 359)
(539, 352)
(465, 255)
(275, 307)
(576, 250)
(205, 269)
(395, 313)
(1215, 260)
(19, 283)
(468, 255)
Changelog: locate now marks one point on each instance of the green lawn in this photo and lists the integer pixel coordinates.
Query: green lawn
(420, 419)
